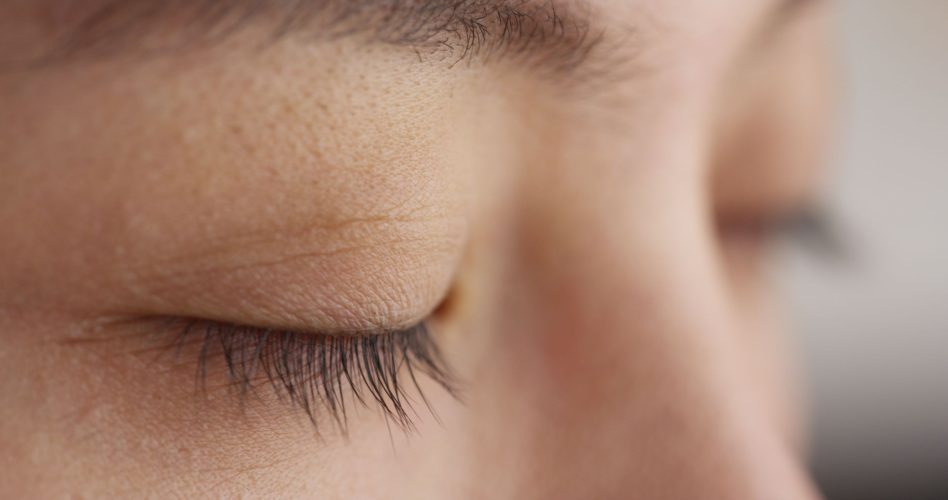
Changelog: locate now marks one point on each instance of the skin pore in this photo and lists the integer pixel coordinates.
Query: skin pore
(557, 190)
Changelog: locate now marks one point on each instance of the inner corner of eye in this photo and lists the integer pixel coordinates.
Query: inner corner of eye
(448, 305)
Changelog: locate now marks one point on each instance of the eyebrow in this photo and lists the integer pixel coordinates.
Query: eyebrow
(549, 35)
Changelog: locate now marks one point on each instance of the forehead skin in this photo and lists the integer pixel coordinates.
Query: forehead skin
(347, 185)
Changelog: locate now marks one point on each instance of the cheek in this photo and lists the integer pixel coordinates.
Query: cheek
(112, 417)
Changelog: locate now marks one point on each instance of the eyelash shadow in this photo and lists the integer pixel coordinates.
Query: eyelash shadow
(318, 372)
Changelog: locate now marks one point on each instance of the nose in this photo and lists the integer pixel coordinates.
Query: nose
(621, 375)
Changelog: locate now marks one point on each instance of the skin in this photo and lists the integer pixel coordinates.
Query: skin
(614, 336)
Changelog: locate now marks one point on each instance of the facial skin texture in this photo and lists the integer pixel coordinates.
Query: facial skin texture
(613, 341)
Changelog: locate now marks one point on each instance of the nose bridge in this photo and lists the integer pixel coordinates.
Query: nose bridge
(621, 346)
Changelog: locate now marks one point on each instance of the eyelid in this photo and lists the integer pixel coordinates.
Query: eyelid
(816, 229)
(317, 372)
(811, 227)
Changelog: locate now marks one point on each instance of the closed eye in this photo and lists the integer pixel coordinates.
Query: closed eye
(323, 374)
(810, 227)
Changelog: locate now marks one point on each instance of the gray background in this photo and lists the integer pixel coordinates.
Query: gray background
(874, 333)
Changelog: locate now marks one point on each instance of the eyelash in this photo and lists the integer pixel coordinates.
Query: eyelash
(811, 228)
(317, 372)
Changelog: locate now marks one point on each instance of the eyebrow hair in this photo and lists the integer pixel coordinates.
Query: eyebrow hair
(546, 35)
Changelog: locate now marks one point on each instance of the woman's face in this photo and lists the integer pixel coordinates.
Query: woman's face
(403, 250)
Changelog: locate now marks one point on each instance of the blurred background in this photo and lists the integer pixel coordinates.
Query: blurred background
(874, 333)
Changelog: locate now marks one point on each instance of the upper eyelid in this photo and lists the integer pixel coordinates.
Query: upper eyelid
(296, 279)
(812, 227)
(172, 321)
